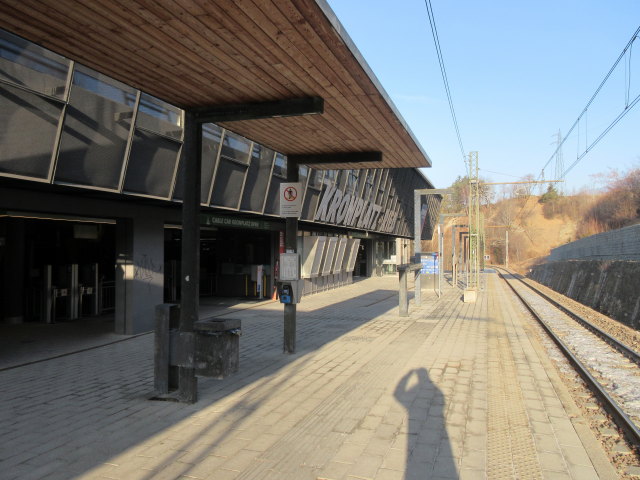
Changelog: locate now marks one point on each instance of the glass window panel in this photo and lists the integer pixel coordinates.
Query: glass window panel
(257, 178)
(310, 204)
(235, 147)
(211, 137)
(160, 117)
(31, 66)
(315, 179)
(352, 180)
(330, 177)
(280, 166)
(380, 198)
(210, 143)
(96, 129)
(152, 162)
(20, 112)
(228, 184)
(273, 197)
(368, 184)
(303, 172)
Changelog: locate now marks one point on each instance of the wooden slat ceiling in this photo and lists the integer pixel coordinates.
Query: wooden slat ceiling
(195, 53)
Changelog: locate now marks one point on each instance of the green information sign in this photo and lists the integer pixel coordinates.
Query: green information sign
(233, 222)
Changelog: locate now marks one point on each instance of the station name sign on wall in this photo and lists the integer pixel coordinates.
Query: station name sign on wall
(350, 210)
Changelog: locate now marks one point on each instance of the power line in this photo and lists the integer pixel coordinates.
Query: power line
(628, 106)
(436, 40)
(600, 137)
(499, 173)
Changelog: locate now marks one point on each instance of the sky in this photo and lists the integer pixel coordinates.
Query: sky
(519, 72)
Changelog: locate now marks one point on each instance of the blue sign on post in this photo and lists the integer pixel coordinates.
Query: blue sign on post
(429, 263)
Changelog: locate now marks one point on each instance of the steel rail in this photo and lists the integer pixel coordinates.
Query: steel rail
(619, 416)
(627, 351)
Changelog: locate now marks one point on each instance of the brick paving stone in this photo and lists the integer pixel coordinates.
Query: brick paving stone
(368, 395)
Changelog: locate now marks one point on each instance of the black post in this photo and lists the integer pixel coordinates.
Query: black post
(403, 297)
(190, 282)
(291, 245)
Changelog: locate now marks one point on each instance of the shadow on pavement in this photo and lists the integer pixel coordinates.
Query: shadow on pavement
(82, 414)
(428, 448)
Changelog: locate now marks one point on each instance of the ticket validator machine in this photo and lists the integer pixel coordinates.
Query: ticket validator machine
(290, 285)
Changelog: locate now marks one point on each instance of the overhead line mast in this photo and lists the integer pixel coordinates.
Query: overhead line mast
(474, 223)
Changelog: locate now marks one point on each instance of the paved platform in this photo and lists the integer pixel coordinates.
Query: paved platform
(454, 390)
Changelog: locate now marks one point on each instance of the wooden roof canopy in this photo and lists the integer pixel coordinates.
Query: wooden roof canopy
(204, 53)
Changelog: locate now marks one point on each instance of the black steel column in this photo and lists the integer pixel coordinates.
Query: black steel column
(291, 245)
(190, 282)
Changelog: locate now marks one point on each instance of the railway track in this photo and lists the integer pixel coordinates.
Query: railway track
(610, 368)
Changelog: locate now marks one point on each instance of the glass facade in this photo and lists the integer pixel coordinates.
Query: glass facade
(258, 177)
(61, 122)
(96, 130)
(21, 111)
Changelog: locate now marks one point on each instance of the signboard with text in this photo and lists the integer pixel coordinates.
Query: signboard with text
(290, 199)
(289, 266)
(429, 263)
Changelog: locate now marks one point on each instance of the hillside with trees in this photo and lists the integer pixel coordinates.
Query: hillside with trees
(535, 222)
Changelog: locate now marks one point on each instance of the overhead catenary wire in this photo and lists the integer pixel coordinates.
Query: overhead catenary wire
(500, 173)
(588, 147)
(601, 136)
(628, 106)
(443, 71)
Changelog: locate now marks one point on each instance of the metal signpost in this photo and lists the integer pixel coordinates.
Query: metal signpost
(417, 230)
(290, 208)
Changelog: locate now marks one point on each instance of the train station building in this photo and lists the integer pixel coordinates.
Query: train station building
(94, 141)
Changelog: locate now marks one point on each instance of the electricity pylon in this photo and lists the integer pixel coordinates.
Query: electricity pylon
(559, 161)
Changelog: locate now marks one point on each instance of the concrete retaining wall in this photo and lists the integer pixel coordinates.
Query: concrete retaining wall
(611, 287)
(621, 244)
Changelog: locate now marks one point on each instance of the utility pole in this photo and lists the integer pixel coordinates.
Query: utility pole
(506, 249)
(474, 228)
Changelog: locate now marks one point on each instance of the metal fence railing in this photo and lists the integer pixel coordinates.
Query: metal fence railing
(107, 297)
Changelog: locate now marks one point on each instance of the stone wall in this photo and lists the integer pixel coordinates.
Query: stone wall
(621, 244)
(611, 287)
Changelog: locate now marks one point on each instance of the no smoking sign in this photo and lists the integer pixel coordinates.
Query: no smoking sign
(290, 199)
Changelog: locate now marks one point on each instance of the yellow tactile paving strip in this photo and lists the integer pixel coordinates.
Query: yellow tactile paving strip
(511, 451)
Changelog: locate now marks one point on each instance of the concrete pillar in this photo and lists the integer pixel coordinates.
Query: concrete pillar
(13, 295)
(139, 273)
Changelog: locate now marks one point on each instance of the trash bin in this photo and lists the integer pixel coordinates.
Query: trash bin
(217, 346)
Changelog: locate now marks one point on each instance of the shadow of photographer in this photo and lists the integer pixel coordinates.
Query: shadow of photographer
(428, 447)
